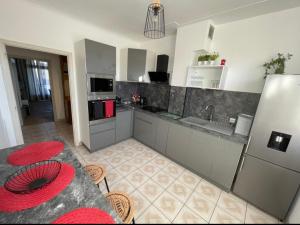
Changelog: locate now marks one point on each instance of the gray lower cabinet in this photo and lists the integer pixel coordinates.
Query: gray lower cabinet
(162, 130)
(205, 154)
(124, 125)
(102, 135)
(144, 128)
(178, 142)
(277, 186)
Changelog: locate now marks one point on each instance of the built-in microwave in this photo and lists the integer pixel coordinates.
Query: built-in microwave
(101, 86)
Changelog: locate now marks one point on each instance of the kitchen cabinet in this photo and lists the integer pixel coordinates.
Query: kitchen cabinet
(162, 130)
(178, 143)
(100, 58)
(225, 162)
(136, 66)
(124, 125)
(145, 128)
(102, 135)
(212, 157)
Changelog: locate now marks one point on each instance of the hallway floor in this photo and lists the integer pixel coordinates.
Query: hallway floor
(40, 112)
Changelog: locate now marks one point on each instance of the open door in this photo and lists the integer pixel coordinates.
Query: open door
(10, 126)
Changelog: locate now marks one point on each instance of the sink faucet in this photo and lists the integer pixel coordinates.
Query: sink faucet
(212, 111)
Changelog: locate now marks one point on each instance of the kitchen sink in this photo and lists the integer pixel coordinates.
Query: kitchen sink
(213, 126)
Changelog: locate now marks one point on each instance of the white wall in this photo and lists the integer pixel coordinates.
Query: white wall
(54, 73)
(25, 22)
(248, 44)
(190, 38)
(162, 46)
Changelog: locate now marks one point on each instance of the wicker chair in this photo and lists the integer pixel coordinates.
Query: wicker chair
(97, 174)
(123, 206)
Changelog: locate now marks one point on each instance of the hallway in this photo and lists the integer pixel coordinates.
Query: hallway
(40, 112)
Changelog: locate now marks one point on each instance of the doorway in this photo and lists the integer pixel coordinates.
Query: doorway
(41, 85)
(31, 81)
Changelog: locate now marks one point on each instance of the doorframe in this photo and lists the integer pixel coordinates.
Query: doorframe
(72, 84)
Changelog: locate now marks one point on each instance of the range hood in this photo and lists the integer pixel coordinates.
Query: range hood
(161, 74)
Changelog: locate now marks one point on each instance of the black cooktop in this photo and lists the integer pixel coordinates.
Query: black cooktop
(153, 109)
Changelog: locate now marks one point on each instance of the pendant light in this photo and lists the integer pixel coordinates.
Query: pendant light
(155, 21)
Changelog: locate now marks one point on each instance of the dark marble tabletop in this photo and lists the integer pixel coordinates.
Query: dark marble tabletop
(80, 193)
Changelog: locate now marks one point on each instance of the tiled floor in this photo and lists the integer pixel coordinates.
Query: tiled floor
(163, 191)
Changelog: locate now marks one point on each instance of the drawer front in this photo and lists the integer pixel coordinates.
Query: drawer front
(103, 139)
(102, 127)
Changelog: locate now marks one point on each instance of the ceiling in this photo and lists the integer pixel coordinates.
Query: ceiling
(127, 17)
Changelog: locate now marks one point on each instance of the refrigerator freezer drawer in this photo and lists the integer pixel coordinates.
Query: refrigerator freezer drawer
(267, 186)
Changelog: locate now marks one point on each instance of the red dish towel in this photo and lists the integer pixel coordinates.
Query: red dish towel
(109, 109)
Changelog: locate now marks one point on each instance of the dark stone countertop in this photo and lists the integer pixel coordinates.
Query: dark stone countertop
(234, 138)
(82, 192)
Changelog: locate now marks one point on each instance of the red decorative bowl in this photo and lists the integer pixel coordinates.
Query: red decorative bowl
(33, 177)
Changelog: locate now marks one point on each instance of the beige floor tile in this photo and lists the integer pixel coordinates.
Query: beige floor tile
(233, 205)
(201, 206)
(116, 161)
(256, 216)
(151, 190)
(180, 191)
(208, 190)
(138, 161)
(189, 179)
(137, 178)
(168, 205)
(160, 162)
(149, 169)
(141, 203)
(113, 176)
(122, 186)
(163, 179)
(152, 216)
(187, 216)
(174, 170)
(125, 169)
(222, 217)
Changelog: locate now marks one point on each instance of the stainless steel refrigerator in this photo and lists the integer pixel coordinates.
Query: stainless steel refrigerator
(269, 173)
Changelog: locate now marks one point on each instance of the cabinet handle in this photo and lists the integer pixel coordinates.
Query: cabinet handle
(242, 164)
(247, 147)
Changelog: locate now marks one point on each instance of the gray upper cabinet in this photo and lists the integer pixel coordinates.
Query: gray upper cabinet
(124, 125)
(100, 58)
(145, 128)
(136, 66)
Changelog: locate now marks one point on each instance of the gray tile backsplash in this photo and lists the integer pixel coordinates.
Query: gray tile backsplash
(157, 95)
(192, 101)
(126, 89)
(227, 103)
(177, 99)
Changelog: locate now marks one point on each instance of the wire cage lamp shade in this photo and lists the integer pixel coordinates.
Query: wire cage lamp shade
(155, 21)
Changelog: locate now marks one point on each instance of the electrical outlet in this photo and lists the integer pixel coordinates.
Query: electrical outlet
(232, 120)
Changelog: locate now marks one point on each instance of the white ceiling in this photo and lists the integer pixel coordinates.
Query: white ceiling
(127, 17)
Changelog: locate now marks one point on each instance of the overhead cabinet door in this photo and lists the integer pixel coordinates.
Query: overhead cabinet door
(136, 67)
(100, 58)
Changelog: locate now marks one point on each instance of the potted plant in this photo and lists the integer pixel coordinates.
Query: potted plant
(213, 57)
(201, 60)
(206, 59)
(277, 65)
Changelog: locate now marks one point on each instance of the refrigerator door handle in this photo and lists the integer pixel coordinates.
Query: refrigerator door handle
(247, 147)
(242, 164)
